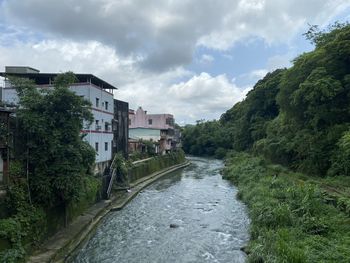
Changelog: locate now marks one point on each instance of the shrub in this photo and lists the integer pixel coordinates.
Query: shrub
(341, 157)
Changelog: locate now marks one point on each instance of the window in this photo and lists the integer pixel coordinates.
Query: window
(98, 127)
(150, 121)
(106, 146)
(106, 105)
(169, 121)
(96, 146)
(106, 126)
(129, 122)
(97, 102)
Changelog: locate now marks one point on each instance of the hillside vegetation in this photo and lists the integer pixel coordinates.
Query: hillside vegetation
(287, 148)
(298, 117)
(293, 218)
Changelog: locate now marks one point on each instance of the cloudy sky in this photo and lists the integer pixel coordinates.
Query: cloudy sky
(191, 58)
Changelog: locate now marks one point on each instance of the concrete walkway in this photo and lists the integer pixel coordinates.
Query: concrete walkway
(61, 246)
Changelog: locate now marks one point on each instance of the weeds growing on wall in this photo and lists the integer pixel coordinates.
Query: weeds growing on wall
(24, 228)
(155, 164)
(26, 225)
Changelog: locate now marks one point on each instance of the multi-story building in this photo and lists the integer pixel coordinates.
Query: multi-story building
(100, 93)
(121, 127)
(152, 127)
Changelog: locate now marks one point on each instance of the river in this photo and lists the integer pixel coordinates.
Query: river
(191, 215)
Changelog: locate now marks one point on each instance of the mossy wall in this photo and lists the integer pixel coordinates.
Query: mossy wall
(155, 164)
(29, 226)
(90, 194)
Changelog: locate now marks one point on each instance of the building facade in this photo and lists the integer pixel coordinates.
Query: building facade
(100, 94)
(99, 134)
(152, 127)
(121, 127)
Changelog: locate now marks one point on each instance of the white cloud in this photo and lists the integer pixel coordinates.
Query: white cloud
(61, 56)
(258, 73)
(142, 47)
(206, 59)
(272, 20)
(166, 33)
(204, 95)
(251, 77)
(280, 61)
(149, 90)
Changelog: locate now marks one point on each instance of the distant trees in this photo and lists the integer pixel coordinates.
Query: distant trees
(299, 116)
(205, 138)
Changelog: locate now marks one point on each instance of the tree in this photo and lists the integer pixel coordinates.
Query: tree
(50, 122)
(299, 117)
(320, 37)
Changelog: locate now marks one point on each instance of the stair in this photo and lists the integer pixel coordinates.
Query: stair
(112, 173)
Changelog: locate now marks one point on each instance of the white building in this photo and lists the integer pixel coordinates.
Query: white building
(100, 93)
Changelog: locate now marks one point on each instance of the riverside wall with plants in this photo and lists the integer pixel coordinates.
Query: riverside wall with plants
(294, 217)
(24, 226)
(142, 169)
(50, 171)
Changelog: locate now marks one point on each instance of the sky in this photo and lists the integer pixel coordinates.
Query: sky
(191, 58)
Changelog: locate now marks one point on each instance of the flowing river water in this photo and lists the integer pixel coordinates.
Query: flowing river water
(191, 215)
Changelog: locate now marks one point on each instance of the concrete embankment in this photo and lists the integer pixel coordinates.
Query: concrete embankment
(63, 244)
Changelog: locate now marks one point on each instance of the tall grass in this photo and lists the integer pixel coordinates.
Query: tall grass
(290, 219)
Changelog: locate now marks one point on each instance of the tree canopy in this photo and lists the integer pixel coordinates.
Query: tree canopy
(299, 116)
(50, 121)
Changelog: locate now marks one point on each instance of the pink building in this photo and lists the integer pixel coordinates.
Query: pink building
(152, 127)
(140, 119)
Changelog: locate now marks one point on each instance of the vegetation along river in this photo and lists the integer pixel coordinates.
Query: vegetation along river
(191, 215)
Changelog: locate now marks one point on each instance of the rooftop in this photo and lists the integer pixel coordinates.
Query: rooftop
(5, 110)
(47, 78)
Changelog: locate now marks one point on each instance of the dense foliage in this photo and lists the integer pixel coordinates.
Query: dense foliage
(53, 166)
(299, 117)
(293, 217)
(205, 138)
(50, 121)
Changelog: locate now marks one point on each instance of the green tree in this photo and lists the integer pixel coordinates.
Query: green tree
(294, 116)
(50, 121)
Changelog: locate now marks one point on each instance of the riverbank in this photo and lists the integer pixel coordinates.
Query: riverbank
(294, 217)
(62, 244)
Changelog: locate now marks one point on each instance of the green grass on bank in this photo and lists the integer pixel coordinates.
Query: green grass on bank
(294, 218)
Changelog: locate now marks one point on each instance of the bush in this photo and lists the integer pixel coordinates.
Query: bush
(341, 157)
(220, 153)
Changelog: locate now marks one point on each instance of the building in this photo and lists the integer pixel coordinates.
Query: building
(157, 128)
(100, 93)
(121, 127)
(4, 145)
